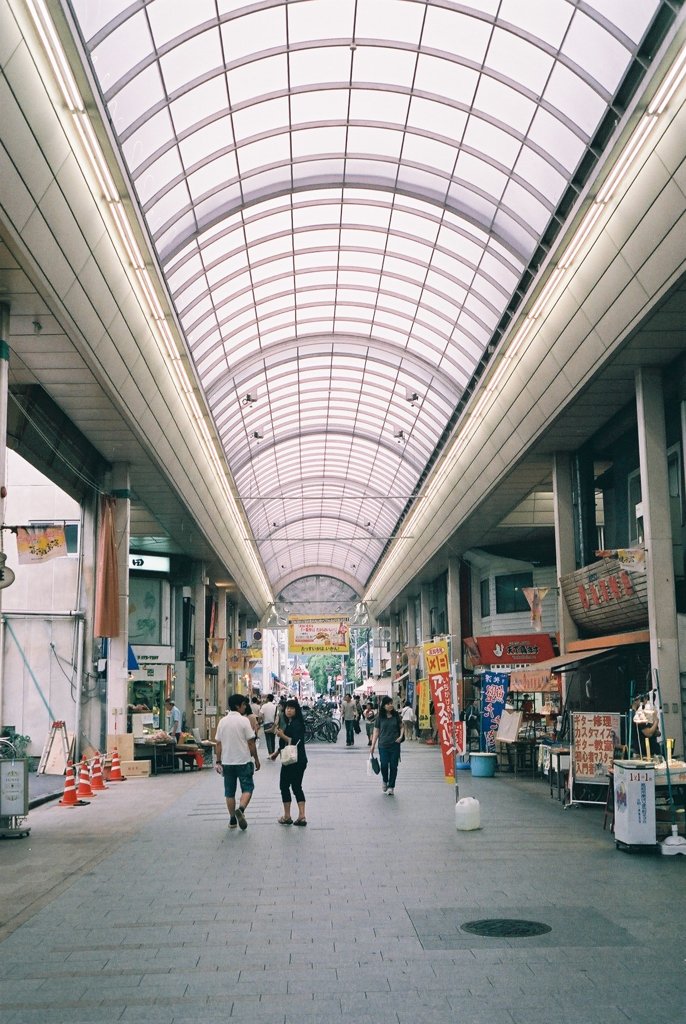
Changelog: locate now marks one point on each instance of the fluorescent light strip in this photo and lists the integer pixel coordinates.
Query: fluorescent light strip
(126, 236)
(55, 54)
(92, 147)
(572, 250)
(631, 151)
(150, 293)
(670, 84)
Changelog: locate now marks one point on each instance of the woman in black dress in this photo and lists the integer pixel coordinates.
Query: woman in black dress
(293, 732)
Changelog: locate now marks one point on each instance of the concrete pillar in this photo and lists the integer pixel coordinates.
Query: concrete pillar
(455, 626)
(565, 557)
(221, 632)
(395, 649)
(664, 650)
(200, 645)
(411, 623)
(118, 652)
(425, 609)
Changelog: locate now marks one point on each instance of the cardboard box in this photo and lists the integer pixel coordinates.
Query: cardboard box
(135, 769)
(124, 744)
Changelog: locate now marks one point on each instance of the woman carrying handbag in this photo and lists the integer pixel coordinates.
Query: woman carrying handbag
(291, 733)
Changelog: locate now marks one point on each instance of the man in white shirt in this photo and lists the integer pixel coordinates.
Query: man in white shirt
(174, 719)
(268, 719)
(236, 749)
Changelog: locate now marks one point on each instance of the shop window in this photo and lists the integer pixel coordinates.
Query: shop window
(508, 592)
(485, 598)
(145, 610)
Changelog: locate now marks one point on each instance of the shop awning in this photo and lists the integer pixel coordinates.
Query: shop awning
(539, 678)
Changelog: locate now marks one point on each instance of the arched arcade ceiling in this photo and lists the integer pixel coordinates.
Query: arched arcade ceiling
(343, 196)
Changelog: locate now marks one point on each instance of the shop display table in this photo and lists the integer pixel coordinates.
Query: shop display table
(160, 755)
(517, 756)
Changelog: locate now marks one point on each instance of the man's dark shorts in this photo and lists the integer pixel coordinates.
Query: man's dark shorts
(234, 773)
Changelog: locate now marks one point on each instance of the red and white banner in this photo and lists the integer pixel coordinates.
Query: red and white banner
(511, 650)
(437, 662)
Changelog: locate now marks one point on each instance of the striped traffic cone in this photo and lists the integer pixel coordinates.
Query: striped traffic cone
(69, 798)
(97, 783)
(115, 770)
(84, 781)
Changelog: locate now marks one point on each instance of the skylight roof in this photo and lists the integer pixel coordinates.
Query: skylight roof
(343, 195)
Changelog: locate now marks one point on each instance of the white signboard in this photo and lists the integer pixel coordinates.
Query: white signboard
(634, 803)
(149, 563)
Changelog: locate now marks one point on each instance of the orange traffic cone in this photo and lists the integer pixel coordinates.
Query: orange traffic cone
(69, 798)
(97, 783)
(115, 770)
(84, 781)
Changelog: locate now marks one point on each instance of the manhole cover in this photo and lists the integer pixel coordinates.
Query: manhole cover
(503, 928)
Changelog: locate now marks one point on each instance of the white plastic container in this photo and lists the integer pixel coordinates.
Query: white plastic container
(467, 814)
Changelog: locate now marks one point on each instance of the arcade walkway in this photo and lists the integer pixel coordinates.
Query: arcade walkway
(144, 907)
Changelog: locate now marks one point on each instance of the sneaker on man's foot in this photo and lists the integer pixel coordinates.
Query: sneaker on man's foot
(232, 821)
(242, 823)
(384, 786)
(389, 792)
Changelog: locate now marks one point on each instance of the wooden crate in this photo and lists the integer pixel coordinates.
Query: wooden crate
(135, 769)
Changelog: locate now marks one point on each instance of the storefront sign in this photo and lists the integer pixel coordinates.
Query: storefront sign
(437, 662)
(594, 738)
(493, 690)
(153, 654)
(149, 563)
(510, 650)
(323, 635)
(606, 596)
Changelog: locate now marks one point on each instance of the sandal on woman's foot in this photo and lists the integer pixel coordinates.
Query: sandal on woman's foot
(300, 821)
(285, 821)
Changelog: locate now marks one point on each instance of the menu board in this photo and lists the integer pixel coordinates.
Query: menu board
(594, 738)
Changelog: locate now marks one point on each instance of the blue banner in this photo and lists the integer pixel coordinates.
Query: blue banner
(410, 694)
(493, 690)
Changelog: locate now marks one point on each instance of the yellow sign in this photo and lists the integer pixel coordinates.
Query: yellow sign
(323, 635)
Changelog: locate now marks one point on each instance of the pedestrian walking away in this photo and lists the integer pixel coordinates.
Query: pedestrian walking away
(268, 720)
(407, 716)
(236, 750)
(291, 778)
(388, 734)
(349, 717)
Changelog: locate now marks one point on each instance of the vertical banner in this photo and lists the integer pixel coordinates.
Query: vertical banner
(424, 709)
(460, 739)
(493, 690)
(409, 692)
(437, 661)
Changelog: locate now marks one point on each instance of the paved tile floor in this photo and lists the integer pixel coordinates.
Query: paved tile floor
(144, 907)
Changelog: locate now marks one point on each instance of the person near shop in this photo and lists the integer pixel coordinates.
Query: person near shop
(369, 719)
(237, 758)
(291, 778)
(268, 722)
(407, 718)
(471, 718)
(388, 735)
(174, 714)
(349, 713)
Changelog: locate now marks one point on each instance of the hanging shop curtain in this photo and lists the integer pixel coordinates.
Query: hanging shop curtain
(107, 573)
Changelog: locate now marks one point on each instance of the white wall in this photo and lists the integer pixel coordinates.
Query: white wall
(48, 643)
(515, 622)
